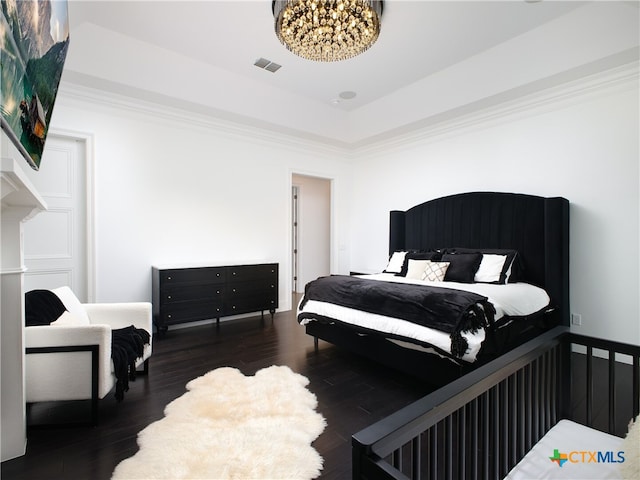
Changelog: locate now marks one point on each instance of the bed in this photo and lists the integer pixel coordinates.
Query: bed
(561, 405)
(469, 277)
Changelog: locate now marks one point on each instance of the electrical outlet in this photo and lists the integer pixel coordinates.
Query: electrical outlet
(576, 319)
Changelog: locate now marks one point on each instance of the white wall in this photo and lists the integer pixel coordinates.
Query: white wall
(582, 145)
(172, 187)
(314, 228)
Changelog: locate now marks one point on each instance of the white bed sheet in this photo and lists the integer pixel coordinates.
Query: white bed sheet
(511, 299)
(572, 439)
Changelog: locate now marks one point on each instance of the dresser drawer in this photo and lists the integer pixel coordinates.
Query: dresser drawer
(241, 273)
(251, 303)
(190, 312)
(192, 275)
(251, 288)
(173, 293)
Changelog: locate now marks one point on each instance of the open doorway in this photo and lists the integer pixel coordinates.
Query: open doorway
(310, 229)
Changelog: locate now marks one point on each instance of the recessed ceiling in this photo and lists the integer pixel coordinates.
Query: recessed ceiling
(219, 41)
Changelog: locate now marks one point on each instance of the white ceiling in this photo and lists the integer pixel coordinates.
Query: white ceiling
(200, 55)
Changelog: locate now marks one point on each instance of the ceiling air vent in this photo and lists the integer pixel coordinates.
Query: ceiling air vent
(267, 65)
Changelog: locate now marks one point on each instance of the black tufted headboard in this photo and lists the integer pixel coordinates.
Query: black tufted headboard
(537, 227)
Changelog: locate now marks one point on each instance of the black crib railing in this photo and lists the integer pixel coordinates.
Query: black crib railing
(481, 425)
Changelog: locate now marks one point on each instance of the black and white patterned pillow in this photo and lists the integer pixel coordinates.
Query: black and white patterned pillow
(435, 271)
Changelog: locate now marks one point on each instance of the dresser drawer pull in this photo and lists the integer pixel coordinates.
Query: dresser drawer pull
(234, 290)
(169, 297)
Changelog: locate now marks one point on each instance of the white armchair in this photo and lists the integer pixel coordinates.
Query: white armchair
(70, 359)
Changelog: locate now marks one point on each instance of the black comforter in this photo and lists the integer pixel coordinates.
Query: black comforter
(448, 310)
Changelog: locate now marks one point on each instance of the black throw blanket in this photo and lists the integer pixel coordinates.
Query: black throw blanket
(445, 309)
(127, 345)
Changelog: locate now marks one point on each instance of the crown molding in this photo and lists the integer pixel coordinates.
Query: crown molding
(528, 100)
(238, 128)
(501, 108)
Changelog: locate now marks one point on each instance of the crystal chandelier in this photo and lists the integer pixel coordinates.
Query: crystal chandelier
(327, 30)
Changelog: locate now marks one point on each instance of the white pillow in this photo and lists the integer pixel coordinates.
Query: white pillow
(490, 268)
(435, 271)
(395, 262)
(72, 304)
(415, 269)
(507, 276)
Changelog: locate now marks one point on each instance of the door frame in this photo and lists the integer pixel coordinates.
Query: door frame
(295, 234)
(87, 139)
(332, 227)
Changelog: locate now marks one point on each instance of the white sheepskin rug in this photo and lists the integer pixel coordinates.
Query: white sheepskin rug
(630, 468)
(229, 426)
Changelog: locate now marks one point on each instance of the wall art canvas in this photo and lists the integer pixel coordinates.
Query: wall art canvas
(34, 39)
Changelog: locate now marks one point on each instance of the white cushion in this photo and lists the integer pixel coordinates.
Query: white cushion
(490, 268)
(435, 271)
(72, 304)
(67, 319)
(415, 269)
(395, 262)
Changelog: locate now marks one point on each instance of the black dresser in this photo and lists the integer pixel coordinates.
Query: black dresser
(187, 294)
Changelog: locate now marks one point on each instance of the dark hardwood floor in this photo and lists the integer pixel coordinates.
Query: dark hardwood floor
(352, 393)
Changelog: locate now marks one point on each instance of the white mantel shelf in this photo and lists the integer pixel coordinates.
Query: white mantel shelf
(20, 201)
(16, 190)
